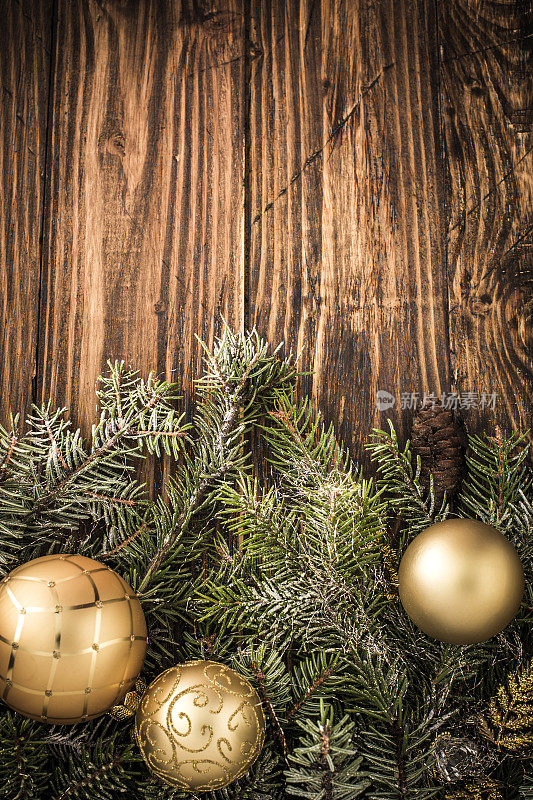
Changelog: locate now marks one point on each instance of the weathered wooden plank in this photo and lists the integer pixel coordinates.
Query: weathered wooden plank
(487, 113)
(346, 242)
(24, 67)
(143, 246)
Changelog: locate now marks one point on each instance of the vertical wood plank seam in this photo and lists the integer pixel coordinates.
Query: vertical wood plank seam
(247, 144)
(440, 151)
(44, 209)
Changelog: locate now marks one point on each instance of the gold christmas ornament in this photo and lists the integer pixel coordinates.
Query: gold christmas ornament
(200, 726)
(72, 638)
(461, 581)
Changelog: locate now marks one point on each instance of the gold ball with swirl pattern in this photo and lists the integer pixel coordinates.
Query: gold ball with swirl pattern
(200, 726)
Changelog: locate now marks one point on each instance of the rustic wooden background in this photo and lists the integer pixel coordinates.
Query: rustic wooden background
(354, 177)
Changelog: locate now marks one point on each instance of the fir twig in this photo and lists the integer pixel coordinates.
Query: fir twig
(140, 531)
(398, 737)
(327, 777)
(241, 395)
(13, 439)
(108, 445)
(92, 778)
(279, 734)
(320, 680)
(55, 447)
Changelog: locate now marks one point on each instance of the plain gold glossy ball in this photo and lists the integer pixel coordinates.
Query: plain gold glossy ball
(72, 638)
(461, 581)
(200, 726)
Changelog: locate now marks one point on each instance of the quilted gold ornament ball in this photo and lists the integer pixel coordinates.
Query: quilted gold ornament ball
(72, 638)
(461, 581)
(200, 726)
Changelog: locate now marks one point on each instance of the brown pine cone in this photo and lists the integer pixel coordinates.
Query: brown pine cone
(435, 437)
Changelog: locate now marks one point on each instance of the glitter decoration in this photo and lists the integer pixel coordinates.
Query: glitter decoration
(200, 726)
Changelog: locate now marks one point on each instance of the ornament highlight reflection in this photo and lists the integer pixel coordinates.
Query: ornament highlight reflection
(461, 581)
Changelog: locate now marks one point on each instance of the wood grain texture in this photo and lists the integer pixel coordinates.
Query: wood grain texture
(487, 112)
(143, 248)
(24, 67)
(354, 178)
(346, 241)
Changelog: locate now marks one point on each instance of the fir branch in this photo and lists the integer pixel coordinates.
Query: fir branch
(279, 734)
(13, 440)
(22, 758)
(93, 777)
(108, 499)
(242, 379)
(398, 738)
(195, 502)
(107, 446)
(499, 441)
(320, 680)
(55, 447)
(327, 778)
(108, 769)
(400, 480)
(140, 531)
(325, 764)
(170, 434)
(496, 479)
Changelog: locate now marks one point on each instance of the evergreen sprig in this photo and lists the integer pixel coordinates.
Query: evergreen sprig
(23, 758)
(324, 764)
(52, 480)
(399, 478)
(292, 583)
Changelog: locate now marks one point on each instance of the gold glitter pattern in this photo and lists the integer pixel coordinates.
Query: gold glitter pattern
(508, 720)
(130, 703)
(200, 726)
(486, 789)
(72, 638)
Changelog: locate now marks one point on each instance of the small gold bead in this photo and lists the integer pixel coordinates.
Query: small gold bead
(51, 583)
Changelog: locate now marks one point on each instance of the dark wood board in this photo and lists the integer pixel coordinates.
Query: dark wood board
(144, 207)
(353, 178)
(346, 202)
(487, 113)
(24, 67)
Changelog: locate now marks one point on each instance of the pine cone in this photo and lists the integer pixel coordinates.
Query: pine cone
(435, 437)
